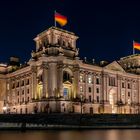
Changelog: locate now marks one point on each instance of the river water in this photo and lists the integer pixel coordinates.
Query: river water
(72, 135)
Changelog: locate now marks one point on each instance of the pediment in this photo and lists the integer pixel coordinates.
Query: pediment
(114, 66)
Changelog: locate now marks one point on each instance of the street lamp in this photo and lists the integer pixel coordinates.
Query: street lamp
(4, 107)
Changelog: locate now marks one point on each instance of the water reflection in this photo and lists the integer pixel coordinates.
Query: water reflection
(72, 135)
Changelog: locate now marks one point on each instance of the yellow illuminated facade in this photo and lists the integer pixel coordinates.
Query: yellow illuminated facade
(55, 79)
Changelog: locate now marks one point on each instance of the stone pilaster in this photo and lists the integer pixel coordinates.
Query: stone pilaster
(119, 84)
(45, 77)
(60, 79)
(104, 86)
(94, 87)
(52, 79)
(34, 81)
(107, 92)
(139, 90)
(76, 80)
(126, 91)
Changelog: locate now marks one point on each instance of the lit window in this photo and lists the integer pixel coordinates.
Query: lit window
(122, 93)
(81, 78)
(81, 89)
(7, 86)
(89, 79)
(129, 101)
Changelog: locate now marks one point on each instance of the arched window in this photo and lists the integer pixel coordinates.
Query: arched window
(66, 77)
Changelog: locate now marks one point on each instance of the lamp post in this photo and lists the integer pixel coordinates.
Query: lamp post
(4, 107)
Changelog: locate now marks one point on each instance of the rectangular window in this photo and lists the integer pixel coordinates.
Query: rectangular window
(81, 89)
(13, 85)
(128, 85)
(89, 89)
(22, 99)
(89, 98)
(128, 94)
(123, 85)
(97, 99)
(89, 79)
(97, 81)
(18, 100)
(27, 82)
(17, 84)
(81, 78)
(111, 81)
(22, 83)
(28, 91)
(97, 90)
(28, 99)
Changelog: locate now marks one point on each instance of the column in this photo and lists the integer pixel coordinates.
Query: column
(52, 79)
(76, 80)
(119, 88)
(94, 87)
(104, 86)
(45, 77)
(139, 90)
(126, 91)
(34, 81)
(60, 77)
(107, 89)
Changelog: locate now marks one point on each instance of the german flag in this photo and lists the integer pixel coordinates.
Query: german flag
(136, 45)
(62, 20)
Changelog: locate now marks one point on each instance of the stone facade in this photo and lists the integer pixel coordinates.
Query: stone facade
(56, 80)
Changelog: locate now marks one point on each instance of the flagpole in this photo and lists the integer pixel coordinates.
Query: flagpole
(54, 18)
(133, 48)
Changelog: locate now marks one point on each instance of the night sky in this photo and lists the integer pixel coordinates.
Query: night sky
(106, 29)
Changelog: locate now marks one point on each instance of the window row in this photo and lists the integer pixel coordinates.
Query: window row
(129, 85)
(21, 83)
(97, 99)
(89, 80)
(22, 100)
(23, 91)
(89, 89)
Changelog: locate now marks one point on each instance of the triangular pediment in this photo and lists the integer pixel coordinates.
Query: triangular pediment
(114, 66)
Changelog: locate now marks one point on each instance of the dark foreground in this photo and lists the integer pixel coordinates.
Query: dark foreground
(72, 135)
(68, 121)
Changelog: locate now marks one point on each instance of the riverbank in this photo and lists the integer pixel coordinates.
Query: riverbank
(68, 121)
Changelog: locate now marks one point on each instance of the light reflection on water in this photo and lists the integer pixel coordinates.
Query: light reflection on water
(72, 135)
